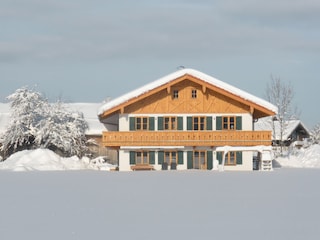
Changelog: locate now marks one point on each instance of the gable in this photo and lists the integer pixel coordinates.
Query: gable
(213, 96)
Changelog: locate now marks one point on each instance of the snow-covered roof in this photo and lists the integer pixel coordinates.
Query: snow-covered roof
(290, 126)
(211, 80)
(89, 111)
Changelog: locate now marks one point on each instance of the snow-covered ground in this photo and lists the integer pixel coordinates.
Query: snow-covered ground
(282, 204)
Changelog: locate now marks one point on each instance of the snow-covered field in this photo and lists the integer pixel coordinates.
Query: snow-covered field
(87, 204)
(283, 204)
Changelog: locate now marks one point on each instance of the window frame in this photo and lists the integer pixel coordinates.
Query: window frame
(175, 94)
(142, 123)
(231, 159)
(144, 155)
(194, 93)
(169, 158)
(229, 123)
(172, 123)
(199, 123)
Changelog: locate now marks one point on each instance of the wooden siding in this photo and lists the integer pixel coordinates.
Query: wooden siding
(207, 101)
(187, 138)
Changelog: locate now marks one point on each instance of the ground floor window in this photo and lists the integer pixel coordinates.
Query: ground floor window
(170, 157)
(232, 158)
(199, 160)
(142, 157)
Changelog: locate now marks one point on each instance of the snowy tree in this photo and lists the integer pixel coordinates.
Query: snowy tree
(315, 134)
(35, 123)
(281, 95)
(62, 131)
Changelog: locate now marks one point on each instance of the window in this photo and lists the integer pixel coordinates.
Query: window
(229, 123)
(142, 123)
(199, 160)
(194, 93)
(198, 123)
(142, 158)
(170, 157)
(175, 94)
(170, 123)
(233, 158)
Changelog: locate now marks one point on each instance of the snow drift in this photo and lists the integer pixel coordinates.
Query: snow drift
(46, 160)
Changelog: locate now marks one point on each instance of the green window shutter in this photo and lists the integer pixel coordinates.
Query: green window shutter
(189, 123)
(219, 157)
(132, 122)
(218, 123)
(180, 123)
(239, 158)
(190, 160)
(151, 157)
(160, 123)
(209, 160)
(239, 123)
(160, 157)
(151, 123)
(180, 157)
(132, 158)
(209, 123)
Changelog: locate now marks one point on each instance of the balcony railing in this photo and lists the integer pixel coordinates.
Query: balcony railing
(186, 138)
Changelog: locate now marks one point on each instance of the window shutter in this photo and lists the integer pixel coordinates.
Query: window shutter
(189, 123)
(209, 123)
(180, 157)
(190, 159)
(219, 157)
(151, 157)
(218, 123)
(239, 123)
(160, 123)
(132, 158)
(160, 157)
(209, 160)
(180, 123)
(151, 123)
(239, 158)
(132, 122)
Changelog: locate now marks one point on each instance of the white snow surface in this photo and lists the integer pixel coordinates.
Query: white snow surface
(179, 73)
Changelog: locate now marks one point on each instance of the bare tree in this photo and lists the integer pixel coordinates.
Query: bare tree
(281, 95)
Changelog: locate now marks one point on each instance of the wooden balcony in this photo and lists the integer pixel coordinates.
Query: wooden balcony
(186, 138)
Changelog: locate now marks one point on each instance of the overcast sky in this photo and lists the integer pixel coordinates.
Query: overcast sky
(87, 51)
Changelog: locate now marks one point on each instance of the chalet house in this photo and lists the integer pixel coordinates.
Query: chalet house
(294, 132)
(187, 120)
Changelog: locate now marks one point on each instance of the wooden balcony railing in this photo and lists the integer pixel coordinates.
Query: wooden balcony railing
(186, 138)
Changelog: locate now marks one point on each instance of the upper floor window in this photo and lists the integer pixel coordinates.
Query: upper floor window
(199, 123)
(194, 93)
(170, 123)
(175, 94)
(228, 123)
(142, 123)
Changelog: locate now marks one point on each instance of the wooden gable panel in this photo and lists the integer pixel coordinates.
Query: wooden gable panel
(207, 101)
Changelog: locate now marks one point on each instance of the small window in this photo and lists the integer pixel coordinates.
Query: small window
(175, 94)
(194, 93)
